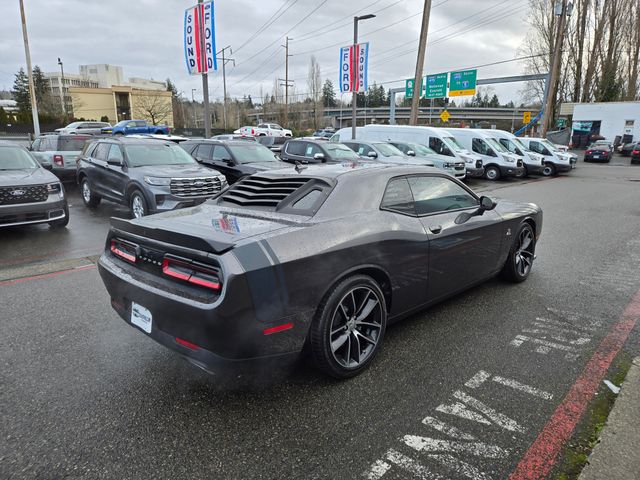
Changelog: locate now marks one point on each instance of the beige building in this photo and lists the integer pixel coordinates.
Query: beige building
(119, 103)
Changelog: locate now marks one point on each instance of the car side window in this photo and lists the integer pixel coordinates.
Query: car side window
(102, 152)
(140, 123)
(439, 194)
(364, 150)
(203, 152)
(438, 146)
(535, 146)
(311, 149)
(479, 146)
(220, 153)
(398, 197)
(296, 148)
(115, 153)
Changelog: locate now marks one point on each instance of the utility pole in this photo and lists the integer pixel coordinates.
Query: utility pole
(205, 82)
(193, 104)
(562, 10)
(355, 79)
(32, 90)
(224, 81)
(286, 83)
(422, 49)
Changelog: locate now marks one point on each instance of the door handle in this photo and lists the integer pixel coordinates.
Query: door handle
(435, 229)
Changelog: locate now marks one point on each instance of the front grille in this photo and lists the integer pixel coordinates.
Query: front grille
(195, 187)
(459, 166)
(18, 195)
(519, 163)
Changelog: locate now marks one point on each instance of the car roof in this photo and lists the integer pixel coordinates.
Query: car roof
(355, 168)
(135, 141)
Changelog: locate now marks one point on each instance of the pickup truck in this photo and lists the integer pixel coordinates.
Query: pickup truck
(128, 127)
(265, 130)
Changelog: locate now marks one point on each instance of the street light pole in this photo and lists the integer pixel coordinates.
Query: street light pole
(62, 99)
(193, 103)
(355, 80)
(32, 90)
(422, 48)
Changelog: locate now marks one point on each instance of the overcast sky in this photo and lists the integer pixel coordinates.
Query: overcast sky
(145, 38)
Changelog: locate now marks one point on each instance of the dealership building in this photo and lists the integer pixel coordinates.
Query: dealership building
(607, 119)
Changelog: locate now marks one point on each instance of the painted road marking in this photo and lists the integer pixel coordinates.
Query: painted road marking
(567, 334)
(456, 452)
(482, 376)
(46, 275)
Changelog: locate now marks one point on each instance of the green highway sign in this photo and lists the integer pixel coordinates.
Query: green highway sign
(408, 87)
(436, 85)
(462, 83)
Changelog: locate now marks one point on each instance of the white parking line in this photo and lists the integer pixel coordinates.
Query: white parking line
(523, 388)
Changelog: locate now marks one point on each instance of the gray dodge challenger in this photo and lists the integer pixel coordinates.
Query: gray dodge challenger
(318, 259)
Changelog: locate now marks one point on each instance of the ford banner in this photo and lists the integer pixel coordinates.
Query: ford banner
(351, 81)
(200, 38)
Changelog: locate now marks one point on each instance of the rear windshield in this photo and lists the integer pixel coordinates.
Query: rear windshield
(252, 153)
(16, 158)
(157, 154)
(71, 144)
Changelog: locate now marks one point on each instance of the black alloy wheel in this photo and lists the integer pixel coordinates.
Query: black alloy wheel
(520, 260)
(349, 327)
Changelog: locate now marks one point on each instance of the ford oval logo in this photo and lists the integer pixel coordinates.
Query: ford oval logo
(198, 183)
(17, 193)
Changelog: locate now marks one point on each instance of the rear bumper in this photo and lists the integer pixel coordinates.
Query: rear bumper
(225, 332)
(55, 208)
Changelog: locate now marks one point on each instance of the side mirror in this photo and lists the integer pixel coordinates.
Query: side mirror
(372, 155)
(487, 204)
(318, 156)
(228, 161)
(114, 161)
(411, 153)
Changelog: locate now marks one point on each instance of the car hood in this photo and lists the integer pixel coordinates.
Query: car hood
(208, 227)
(399, 160)
(175, 171)
(31, 176)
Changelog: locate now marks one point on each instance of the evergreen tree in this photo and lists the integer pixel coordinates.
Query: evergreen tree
(494, 102)
(249, 102)
(4, 118)
(171, 87)
(40, 85)
(20, 92)
(329, 95)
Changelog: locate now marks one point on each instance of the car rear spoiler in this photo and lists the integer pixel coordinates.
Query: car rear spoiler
(172, 237)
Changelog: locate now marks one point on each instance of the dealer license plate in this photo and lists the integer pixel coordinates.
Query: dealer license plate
(596, 156)
(141, 317)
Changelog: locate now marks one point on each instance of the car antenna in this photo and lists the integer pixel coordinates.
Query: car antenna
(299, 166)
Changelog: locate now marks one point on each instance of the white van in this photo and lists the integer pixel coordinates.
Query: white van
(555, 160)
(533, 162)
(497, 160)
(438, 140)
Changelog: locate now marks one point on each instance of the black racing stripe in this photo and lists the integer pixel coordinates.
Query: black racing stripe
(252, 257)
(270, 251)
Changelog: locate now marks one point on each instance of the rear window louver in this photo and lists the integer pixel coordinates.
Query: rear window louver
(259, 191)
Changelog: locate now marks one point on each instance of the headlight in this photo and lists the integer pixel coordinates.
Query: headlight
(509, 159)
(55, 188)
(223, 179)
(447, 165)
(159, 181)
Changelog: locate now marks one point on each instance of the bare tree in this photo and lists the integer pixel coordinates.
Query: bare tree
(314, 84)
(157, 109)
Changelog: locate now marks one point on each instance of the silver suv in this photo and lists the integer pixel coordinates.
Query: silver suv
(60, 152)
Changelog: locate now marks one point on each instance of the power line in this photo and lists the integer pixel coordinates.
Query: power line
(269, 22)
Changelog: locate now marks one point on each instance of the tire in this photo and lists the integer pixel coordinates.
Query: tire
(63, 222)
(335, 315)
(138, 205)
(524, 174)
(492, 173)
(520, 260)
(549, 170)
(89, 198)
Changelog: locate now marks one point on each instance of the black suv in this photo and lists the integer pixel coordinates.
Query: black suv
(235, 159)
(147, 175)
(312, 151)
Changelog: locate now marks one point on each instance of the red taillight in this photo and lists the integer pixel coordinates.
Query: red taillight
(191, 272)
(589, 152)
(124, 251)
(635, 152)
(58, 160)
(278, 328)
(189, 345)
(253, 132)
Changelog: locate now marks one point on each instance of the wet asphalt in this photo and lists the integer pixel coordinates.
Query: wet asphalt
(84, 395)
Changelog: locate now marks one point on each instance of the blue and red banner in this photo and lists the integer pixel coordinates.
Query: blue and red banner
(200, 38)
(354, 80)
